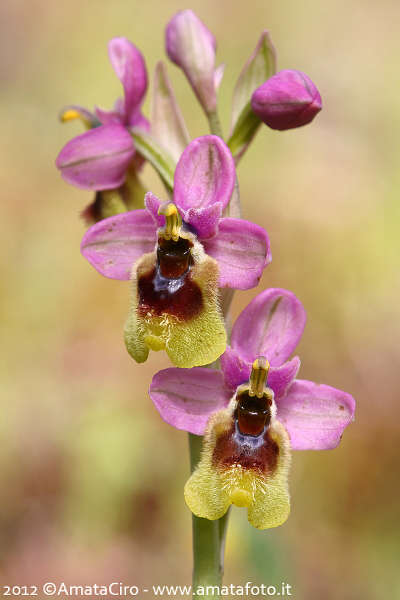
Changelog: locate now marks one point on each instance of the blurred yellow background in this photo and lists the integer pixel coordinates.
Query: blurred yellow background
(91, 478)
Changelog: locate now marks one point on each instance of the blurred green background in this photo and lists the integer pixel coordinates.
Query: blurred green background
(91, 478)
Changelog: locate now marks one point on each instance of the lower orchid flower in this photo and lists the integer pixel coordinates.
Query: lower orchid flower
(250, 426)
(178, 254)
(246, 458)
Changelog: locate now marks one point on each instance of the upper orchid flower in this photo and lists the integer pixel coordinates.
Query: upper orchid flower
(99, 158)
(261, 406)
(181, 253)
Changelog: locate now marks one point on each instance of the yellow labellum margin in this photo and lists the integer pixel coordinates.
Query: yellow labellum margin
(245, 470)
(178, 314)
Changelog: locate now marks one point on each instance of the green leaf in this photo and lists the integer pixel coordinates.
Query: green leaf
(260, 67)
(167, 124)
(244, 132)
(156, 155)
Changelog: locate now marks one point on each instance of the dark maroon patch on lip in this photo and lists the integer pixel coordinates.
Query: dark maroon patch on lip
(173, 258)
(253, 413)
(256, 453)
(180, 297)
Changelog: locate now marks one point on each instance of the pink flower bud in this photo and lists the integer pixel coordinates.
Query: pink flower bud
(191, 46)
(287, 100)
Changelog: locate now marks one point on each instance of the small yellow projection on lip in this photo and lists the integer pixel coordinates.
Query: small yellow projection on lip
(173, 220)
(154, 343)
(241, 498)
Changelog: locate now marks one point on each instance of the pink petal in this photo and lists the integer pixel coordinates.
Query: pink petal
(185, 398)
(153, 204)
(242, 251)
(139, 121)
(236, 370)
(108, 117)
(97, 159)
(114, 244)
(280, 378)
(315, 415)
(271, 326)
(204, 220)
(129, 66)
(218, 75)
(205, 174)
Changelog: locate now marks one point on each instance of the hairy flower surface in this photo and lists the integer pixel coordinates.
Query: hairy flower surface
(174, 304)
(99, 158)
(245, 459)
(173, 308)
(250, 426)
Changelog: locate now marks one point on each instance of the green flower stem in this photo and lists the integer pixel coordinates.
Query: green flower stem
(208, 541)
(223, 530)
(109, 203)
(148, 147)
(215, 125)
(209, 536)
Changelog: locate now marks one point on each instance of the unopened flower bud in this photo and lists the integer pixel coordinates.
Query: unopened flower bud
(287, 100)
(191, 46)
